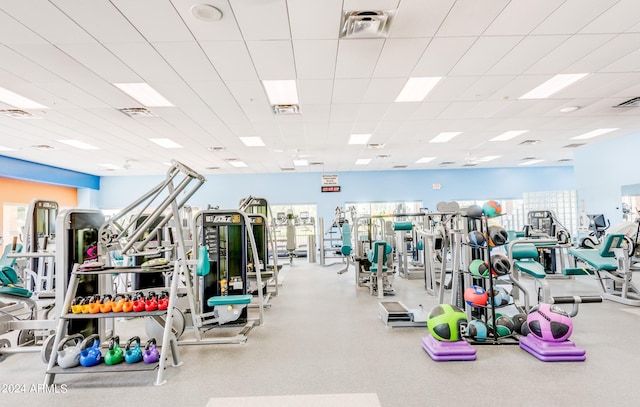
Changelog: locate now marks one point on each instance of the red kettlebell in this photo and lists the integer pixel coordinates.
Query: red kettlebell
(150, 354)
(138, 303)
(163, 301)
(151, 304)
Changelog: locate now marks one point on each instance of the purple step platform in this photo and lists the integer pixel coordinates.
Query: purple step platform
(566, 351)
(441, 351)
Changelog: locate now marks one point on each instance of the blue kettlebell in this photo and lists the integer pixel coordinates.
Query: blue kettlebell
(69, 355)
(90, 355)
(151, 354)
(133, 354)
(115, 353)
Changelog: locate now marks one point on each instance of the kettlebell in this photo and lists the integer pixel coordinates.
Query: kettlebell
(115, 354)
(128, 304)
(118, 303)
(151, 354)
(69, 355)
(133, 354)
(151, 304)
(138, 303)
(163, 301)
(94, 304)
(106, 304)
(84, 305)
(76, 305)
(90, 355)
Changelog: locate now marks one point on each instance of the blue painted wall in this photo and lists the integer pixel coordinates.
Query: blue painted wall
(602, 170)
(30, 171)
(462, 184)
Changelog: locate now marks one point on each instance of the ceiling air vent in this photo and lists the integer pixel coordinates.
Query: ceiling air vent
(374, 146)
(18, 114)
(574, 145)
(383, 156)
(399, 166)
(447, 163)
(529, 142)
(316, 163)
(215, 148)
(635, 102)
(366, 24)
(137, 112)
(470, 165)
(288, 169)
(286, 109)
(565, 160)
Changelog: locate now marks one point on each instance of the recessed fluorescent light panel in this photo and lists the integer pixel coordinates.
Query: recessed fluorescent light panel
(592, 134)
(78, 144)
(300, 163)
(359, 138)
(444, 137)
(13, 99)
(237, 163)
(282, 92)
(553, 85)
(165, 142)
(508, 135)
(144, 94)
(531, 162)
(110, 166)
(425, 160)
(416, 89)
(252, 141)
(487, 158)
(363, 161)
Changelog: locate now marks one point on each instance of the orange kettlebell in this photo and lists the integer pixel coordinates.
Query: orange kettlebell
(106, 304)
(94, 305)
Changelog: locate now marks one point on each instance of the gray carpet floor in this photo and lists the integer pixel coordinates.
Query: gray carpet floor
(323, 337)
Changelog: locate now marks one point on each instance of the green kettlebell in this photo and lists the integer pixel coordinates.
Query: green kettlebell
(115, 354)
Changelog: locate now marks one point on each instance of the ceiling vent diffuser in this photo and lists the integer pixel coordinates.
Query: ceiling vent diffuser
(366, 24)
(635, 102)
(530, 142)
(286, 109)
(18, 114)
(137, 112)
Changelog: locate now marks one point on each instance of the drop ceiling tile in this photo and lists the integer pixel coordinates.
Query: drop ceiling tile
(230, 59)
(484, 54)
(24, 68)
(400, 111)
(349, 90)
(357, 58)
(273, 60)
(428, 110)
(628, 63)
(315, 59)
(470, 17)
(370, 4)
(620, 17)
(316, 113)
(317, 91)
(383, 90)
(373, 111)
(145, 61)
(399, 57)
(485, 86)
(520, 17)
(188, 60)
(220, 101)
(572, 16)
(314, 20)
(14, 32)
(419, 18)
(567, 53)
(226, 28)
(526, 53)
(343, 112)
(612, 56)
(441, 56)
(102, 62)
(262, 20)
(156, 21)
(451, 88)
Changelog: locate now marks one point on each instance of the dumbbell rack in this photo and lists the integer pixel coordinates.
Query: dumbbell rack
(169, 340)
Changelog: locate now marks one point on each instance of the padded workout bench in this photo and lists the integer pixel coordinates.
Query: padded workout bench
(524, 257)
(611, 265)
(228, 307)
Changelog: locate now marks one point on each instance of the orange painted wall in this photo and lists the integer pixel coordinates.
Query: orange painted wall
(22, 192)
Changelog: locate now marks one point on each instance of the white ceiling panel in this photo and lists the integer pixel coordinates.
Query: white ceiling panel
(485, 86)
(619, 49)
(157, 21)
(441, 56)
(572, 16)
(597, 85)
(520, 17)
(370, 4)
(102, 62)
(526, 53)
(220, 101)
(419, 18)
(400, 111)
(620, 17)
(188, 60)
(344, 112)
(262, 20)
(628, 63)
(349, 90)
(101, 19)
(428, 110)
(484, 54)
(316, 113)
(315, 19)
(315, 59)
(383, 90)
(315, 91)
(357, 58)
(451, 88)
(399, 57)
(273, 59)
(48, 22)
(248, 93)
(372, 111)
(471, 17)
(224, 29)
(569, 52)
(24, 68)
(145, 61)
(231, 59)
(14, 32)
